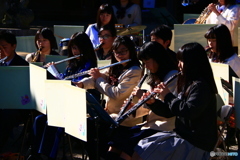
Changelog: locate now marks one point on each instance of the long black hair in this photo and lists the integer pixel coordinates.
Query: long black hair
(224, 46)
(82, 41)
(195, 65)
(47, 33)
(105, 8)
(155, 51)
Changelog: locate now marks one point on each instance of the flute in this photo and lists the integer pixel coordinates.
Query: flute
(3, 59)
(63, 60)
(131, 96)
(98, 46)
(139, 104)
(86, 72)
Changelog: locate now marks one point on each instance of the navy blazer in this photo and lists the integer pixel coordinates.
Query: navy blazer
(18, 61)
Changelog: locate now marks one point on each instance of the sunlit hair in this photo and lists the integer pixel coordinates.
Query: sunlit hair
(83, 43)
(224, 46)
(156, 52)
(47, 34)
(163, 32)
(109, 27)
(195, 66)
(105, 8)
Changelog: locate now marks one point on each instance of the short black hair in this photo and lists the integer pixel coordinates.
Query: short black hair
(8, 36)
(163, 32)
(111, 28)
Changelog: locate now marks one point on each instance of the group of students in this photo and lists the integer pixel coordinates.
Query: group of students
(183, 114)
(123, 12)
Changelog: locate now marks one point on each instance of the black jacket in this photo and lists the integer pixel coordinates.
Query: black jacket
(196, 115)
(18, 61)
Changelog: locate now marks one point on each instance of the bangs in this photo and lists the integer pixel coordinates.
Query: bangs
(210, 35)
(180, 55)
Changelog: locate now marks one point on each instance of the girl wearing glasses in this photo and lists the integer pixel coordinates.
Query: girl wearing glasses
(105, 16)
(106, 37)
(116, 82)
(161, 67)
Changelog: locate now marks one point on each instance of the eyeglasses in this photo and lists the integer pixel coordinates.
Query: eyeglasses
(123, 52)
(104, 36)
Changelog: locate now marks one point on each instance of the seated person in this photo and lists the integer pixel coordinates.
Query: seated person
(127, 13)
(195, 133)
(46, 138)
(225, 12)
(105, 16)
(161, 67)
(163, 35)
(106, 35)
(117, 83)
(45, 43)
(221, 48)
(9, 118)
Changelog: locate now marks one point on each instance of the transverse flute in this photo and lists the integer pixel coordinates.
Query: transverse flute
(86, 72)
(3, 59)
(63, 60)
(131, 96)
(98, 46)
(139, 104)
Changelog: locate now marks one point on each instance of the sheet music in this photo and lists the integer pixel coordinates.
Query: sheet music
(54, 71)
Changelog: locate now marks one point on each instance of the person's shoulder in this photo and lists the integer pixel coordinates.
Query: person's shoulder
(170, 74)
(19, 60)
(135, 68)
(134, 5)
(233, 7)
(54, 53)
(170, 51)
(92, 25)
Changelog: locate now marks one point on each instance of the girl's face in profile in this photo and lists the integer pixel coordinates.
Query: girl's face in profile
(151, 65)
(75, 51)
(212, 43)
(180, 65)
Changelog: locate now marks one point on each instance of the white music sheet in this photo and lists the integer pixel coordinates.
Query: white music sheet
(56, 101)
(76, 112)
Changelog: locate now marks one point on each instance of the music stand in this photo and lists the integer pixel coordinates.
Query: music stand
(232, 74)
(96, 111)
(228, 85)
